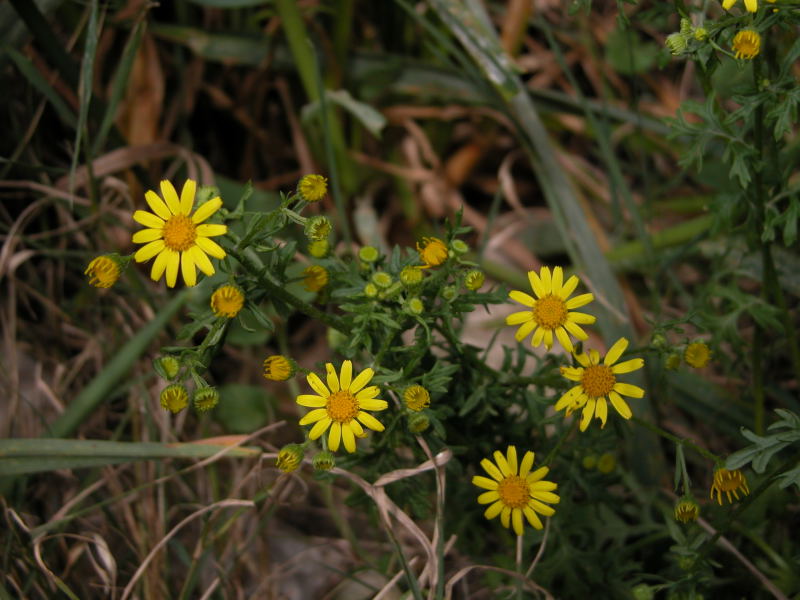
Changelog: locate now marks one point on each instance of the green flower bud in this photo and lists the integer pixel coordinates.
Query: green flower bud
(686, 26)
(474, 280)
(643, 591)
(449, 293)
(415, 306)
(318, 228)
(324, 461)
(382, 279)
(174, 398)
(369, 254)
(606, 463)
(701, 34)
(370, 290)
(418, 422)
(673, 361)
(319, 248)
(167, 367)
(459, 247)
(676, 43)
(589, 462)
(411, 276)
(290, 457)
(205, 398)
(686, 510)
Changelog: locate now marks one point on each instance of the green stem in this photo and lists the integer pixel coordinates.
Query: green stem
(275, 291)
(561, 440)
(675, 439)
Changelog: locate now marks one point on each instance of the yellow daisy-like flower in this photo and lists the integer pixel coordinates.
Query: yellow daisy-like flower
(515, 491)
(315, 278)
(746, 44)
(697, 355)
(416, 398)
(279, 368)
(312, 188)
(103, 271)
(174, 398)
(750, 5)
(176, 237)
(227, 301)
(550, 311)
(341, 406)
(597, 381)
(730, 482)
(432, 252)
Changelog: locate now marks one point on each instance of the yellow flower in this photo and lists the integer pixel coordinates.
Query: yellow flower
(550, 312)
(174, 398)
(416, 398)
(319, 248)
(290, 457)
(474, 280)
(514, 491)
(103, 271)
(686, 510)
(340, 406)
(606, 463)
(432, 252)
(596, 381)
(205, 398)
(312, 188)
(411, 276)
(227, 301)
(279, 368)
(697, 355)
(750, 5)
(746, 44)
(315, 278)
(730, 482)
(174, 237)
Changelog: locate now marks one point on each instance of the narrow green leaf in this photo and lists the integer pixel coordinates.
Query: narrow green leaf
(35, 78)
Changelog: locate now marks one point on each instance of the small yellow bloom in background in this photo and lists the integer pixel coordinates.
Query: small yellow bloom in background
(312, 188)
(227, 301)
(686, 510)
(589, 462)
(474, 280)
(167, 366)
(414, 306)
(746, 44)
(319, 248)
(341, 406)
(369, 254)
(318, 228)
(697, 355)
(205, 398)
(381, 279)
(730, 482)
(290, 457)
(174, 398)
(315, 278)
(416, 397)
(597, 381)
(549, 312)
(515, 491)
(750, 5)
(103, 271)
(279, 368)
(175, 237)
(432, 252)
(606, 463)
(411, 276)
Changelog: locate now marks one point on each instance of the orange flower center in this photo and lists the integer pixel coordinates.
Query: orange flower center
(550, 312)
(514, 491)
(179, 233)
(597, 380)
(342, 406)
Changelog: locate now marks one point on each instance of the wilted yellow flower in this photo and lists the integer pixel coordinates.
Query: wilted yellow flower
(598, 381)
(174, 398)
(312, 188)
(746, 44)
(103, 271)
(730, 482)
(686, 510)
(697, 355)
(174, 237)
(340, 406)
(549, 312)
(227, 301)
(416, 397)
(514, 491)
(315, 278)
(279, 368)
(432, 252)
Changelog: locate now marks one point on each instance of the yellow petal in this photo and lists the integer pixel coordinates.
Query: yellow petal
(751, 5)
(527, 463)
(519, 317)
(548, 497)
(201, 260)
(511, 457)
(488, 497)
(532, 478)
(583, 360)
(159, 265)
(536, 284)
(361, 380)
(316, 384)
(333, 380)
(628, 366)
(311, 401)
(210, 247)
(620, 405)
(148, 219)
(537, 338)
(494, 510)
(516, 520)
(356, 428)
(532, 517)
(314, 416)
(548, 338)
(505, 516)
(187, 196)
(173, 264)
(601, 411)
(369, 421)
(547, 283)
(558, 279)
(586, 415)
(563, 339)
(206, 209)
(157, 205)
(170, 197)
(581, 318)
(484, 482)
(627, 389)
(542, 508)
(579, 301)
(373, 404)
(502, 463)
(615, 352)
(149, 251)
(521, 297)
(348, 438)
(368, 393)
(335, 436)
(346, 375)
(318, 429)
(211, 229)
(575, 330)
(568, 287)
(492, 469)
(524, 330)
(188, 270)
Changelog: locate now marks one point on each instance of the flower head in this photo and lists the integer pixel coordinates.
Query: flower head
(312, 188)
(746, 44)
(432, 252)
(411, 276)
(227, 301)
(418, 422)
(323, 461)
(515, 491)
(167, 366)
(279, 368)
(686, 510)
(176, 237)
(369, 254)
(318, 228)
(596, 382)
(606, 463)
(205, 398)
(474, 280)
(341, 406)
(290, 457)
(174, 398)
(315, 278)
(319, 248)
(750, 5)
(730, 482)
(697, 355)
(416, 398)
(103, 271)
(549, 313)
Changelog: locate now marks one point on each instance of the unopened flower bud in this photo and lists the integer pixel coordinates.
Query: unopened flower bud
(174, 398)
(205, 398)
(369, 254)
(324, 461)
(474, 280)
(418, 422)
(290, 457)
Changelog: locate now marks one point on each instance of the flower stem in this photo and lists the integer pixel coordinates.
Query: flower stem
(675, 439)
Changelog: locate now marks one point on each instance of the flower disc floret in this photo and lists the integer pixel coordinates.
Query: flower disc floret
(340, 406)
(746, 44)
(598, 383)
(227, 301)
(432, 252)
(729, 482)
(550, 313)
(176, 237)
(514, 490)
